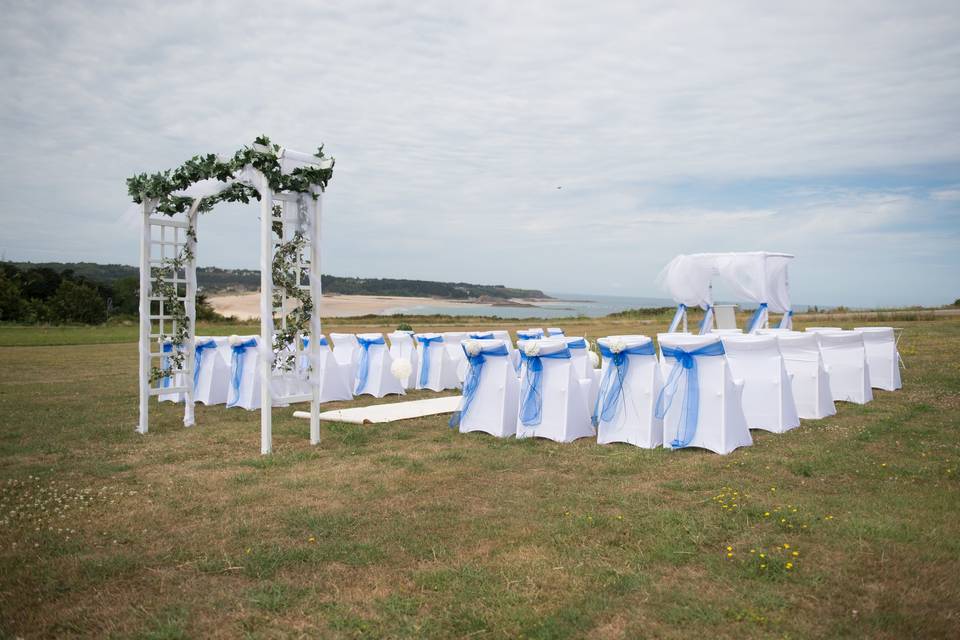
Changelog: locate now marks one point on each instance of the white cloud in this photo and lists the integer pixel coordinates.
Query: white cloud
(450, 118)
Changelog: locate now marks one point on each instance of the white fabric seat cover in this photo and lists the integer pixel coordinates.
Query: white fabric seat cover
(494, 405)
(213, 375)
(588, 377)
(634, 421)
(379, 380)
(335, 378)
(768, 402)
(436, 370)
(822, 329)
(403, 348)
(451, 341)
(564, 415)
(882, 357)
(554, 332)
(246, 363)
(846, 360)
(808, 375)
(175, 380)
(720, 426)
(346, 350)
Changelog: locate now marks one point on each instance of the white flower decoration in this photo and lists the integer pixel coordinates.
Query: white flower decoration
(617, 345)
(472, 347)
(532, 348)
(401, 369)
(235, 340)
(594, 359)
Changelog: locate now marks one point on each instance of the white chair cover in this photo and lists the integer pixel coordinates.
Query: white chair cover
(768, 402)
(213, 375)
(554, 332)
(808, 375)
(379, 380)
(882, 357)
(634, 421)
(402, 348)
(176, 380)
(246, 365)
(820, 329)
(441, 369)
(451, 341)
(846, 360)
(346, 350)
(720, 426)
(588, 377)
(563, 415)
(335, 378)
(494, 405)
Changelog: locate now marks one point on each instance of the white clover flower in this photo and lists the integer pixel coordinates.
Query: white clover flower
(472, 347)
(617, 345)
(532, 348)
(401, 369)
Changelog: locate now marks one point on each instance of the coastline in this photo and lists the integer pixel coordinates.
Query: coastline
(246, 306)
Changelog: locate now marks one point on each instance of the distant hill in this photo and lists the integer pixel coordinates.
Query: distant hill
(215, 279)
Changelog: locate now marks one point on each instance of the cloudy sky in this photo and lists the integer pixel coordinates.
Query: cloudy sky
(574, 147)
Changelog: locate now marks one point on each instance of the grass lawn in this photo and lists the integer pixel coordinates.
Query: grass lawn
(413, 530)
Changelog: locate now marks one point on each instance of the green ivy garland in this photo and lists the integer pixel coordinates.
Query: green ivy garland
(161, 186)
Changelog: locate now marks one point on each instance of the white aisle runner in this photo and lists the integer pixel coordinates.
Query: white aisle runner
(389, 412)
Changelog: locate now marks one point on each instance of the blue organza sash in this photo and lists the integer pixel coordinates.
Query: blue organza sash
(611, 387)
(472, 382)
(531, 394)
(198, 358)
(685, 367)
(363, 371)
(236, 367)
(425, 360)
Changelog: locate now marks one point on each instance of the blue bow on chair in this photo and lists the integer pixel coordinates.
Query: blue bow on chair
(482, 336)
(364, 369)
(686, 366)
(236, 367)
(425, 360)
(198, 350)
(611, 388)
(165, 362)
(472, 382)
(577, 344)
(531, 395)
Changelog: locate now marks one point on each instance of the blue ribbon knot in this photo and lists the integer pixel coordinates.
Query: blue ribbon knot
(425, 360)
(198, 350)
(238, 355)
(686, 367)
(531, 395)
(472, 382)
(364, 369)
(611, 387)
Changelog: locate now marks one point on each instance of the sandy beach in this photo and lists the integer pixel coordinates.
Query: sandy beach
(246, 306)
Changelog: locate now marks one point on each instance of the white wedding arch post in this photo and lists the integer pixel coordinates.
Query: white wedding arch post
(289, 185)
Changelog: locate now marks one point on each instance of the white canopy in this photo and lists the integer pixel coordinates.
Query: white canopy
(758, 276)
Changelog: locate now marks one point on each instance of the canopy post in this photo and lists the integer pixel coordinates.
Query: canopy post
(316, 293)
(190, 301)
(144, 423)
(266, 316)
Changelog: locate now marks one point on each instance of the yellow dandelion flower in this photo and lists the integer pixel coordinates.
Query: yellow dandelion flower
(789, 566)
(763, 555)
(763, 566)
(786, 546)
(729, 555)
(729, 548)
(766, 514)
(753, 550)
(795, 554)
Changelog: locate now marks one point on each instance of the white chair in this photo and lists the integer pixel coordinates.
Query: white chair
(335, 378)
(346, 350)
(808, 375)
(551, 399)
(631, 383)
(700, 403)
(491, 392)
(554, 332)
(373, 369)
(451, 341)
(211, 370)
(436, 370)
(175, 380)
(821, 329)
(402, 348)
(529, 334)
(882, 357)
(244, 391)
(768, 402)
(846, 360)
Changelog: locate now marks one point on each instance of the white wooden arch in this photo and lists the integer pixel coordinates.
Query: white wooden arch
(164, 236)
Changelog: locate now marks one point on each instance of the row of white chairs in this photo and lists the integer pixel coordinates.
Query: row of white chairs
(703, 391)
(225, 368)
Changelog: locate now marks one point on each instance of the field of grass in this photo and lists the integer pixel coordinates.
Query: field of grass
(411, 530)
